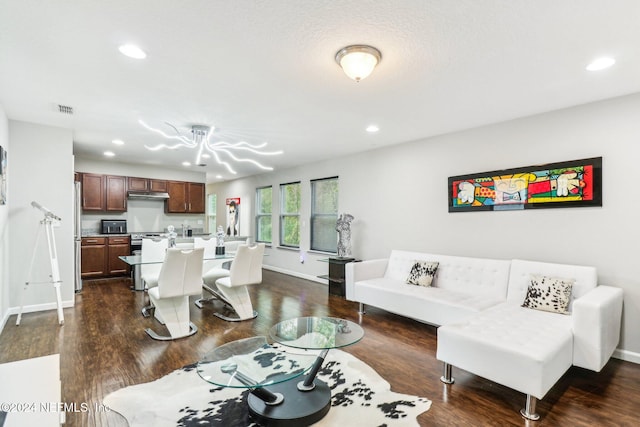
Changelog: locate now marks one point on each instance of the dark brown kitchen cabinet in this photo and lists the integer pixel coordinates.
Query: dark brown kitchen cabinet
(177, 202)
(92, 192)
(185, 197)
(118, 246)
(99, 256)
(93, 256)
(157, 185)
(116, 193)
(104, 192)
(146, 184)
(196, 197)
(138, 184)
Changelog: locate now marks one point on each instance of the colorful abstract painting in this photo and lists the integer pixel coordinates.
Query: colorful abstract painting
(576, 183)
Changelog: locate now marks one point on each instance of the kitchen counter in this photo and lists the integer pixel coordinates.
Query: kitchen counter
(104, 235)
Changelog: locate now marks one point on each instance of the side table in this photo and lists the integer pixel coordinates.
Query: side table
(336, 276)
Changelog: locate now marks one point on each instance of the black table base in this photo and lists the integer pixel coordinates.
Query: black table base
(299, 408)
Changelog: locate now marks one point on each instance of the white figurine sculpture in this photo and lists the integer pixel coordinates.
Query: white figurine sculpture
(219, 236)
(172, 236)
(343, 227)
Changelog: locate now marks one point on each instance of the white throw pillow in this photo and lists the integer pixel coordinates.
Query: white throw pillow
(551, 294)
(422, 273)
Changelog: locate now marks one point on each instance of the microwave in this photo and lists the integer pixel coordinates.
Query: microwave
(113, 226)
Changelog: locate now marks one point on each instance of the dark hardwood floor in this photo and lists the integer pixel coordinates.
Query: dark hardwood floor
(103, 347)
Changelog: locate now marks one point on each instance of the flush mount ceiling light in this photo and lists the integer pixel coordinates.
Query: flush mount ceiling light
(132, 51)
(601, 64)
(358, 61)
(201, 141)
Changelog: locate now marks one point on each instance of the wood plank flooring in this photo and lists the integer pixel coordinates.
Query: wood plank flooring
(103, 347)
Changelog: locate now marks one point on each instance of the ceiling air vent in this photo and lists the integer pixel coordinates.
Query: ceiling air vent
(65, 109)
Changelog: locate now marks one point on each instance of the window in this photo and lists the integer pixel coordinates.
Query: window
(324, 214)
(263, 214)
(211, 212)
(290, 214)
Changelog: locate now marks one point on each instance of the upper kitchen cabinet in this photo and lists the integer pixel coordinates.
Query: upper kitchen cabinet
(196, 197)
(185, 197)
(104, 192)
(158, 185)
(116, 194)
(93, 192)
(146, 184)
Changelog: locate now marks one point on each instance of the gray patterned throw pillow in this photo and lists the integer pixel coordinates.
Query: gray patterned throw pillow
(422, 273)
(551, 294)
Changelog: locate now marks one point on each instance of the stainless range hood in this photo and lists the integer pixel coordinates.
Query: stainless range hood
(147, 195)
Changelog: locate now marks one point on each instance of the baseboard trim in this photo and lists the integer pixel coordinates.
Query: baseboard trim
(5, 318)
(295, 274)
(39, 307)
(626, 355)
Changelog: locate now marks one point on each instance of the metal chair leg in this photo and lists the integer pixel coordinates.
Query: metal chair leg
(192, 330)
(147, 310)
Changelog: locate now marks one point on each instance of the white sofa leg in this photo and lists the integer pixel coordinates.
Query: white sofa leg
(529, 411)
(446, 376)
(361, 309)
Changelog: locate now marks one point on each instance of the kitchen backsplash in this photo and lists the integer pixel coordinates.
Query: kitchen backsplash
(144, 215)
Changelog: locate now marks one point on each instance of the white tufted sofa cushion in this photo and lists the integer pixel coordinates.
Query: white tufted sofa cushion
(586, 278)
(526, 350)
(478, 276)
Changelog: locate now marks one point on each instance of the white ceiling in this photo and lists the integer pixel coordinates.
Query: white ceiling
(265, 70)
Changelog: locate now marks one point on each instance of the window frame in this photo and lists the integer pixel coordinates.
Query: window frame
(314, 214)
(259, 214)
(284, 215)
(212, 213)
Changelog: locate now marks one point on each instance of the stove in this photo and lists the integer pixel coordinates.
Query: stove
(136, 239)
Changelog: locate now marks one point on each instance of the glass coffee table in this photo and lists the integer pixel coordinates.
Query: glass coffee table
(276, 400)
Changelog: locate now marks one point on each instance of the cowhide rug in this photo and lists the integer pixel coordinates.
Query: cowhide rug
(359, 397)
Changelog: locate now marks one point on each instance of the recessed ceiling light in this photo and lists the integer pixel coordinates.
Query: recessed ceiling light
(205, 156)
(601, 64)
(186, 164)
(118, 142)
(219, 176)
(372, 128)
(132, 51)
(109, 153)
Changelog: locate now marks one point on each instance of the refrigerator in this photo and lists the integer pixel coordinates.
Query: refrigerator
(77, 235)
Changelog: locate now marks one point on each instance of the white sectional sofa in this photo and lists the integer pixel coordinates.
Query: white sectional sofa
(484, 329)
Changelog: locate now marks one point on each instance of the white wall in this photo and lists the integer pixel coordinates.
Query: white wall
(4, 230)
(141, 215)
(398, 196)
(41, 170)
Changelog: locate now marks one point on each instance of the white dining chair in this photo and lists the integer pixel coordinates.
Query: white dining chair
(246, 270)
(180, 277)
(152, 254)
(212, 269)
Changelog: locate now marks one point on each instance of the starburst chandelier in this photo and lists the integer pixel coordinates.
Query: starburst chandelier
(201, 140)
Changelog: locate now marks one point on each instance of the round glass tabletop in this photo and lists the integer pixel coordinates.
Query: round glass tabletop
(316, 333)
(252, 363)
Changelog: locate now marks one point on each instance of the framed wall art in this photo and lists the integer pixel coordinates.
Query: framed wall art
(233, 216)
(571, 184)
